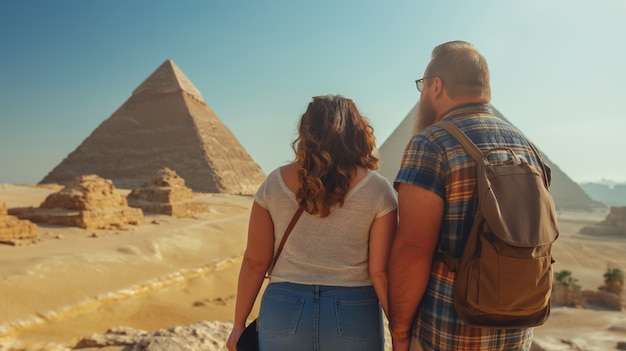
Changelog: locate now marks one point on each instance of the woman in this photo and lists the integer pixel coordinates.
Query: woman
(328, 285)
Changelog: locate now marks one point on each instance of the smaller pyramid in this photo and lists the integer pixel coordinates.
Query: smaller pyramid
(88, 202)
(14, 231)
(391, 151)
(565, 192)
(166, 193)
(165, 123)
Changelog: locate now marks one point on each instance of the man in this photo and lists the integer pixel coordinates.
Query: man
(437, 201)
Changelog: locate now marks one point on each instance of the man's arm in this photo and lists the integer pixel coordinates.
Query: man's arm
(420, 217)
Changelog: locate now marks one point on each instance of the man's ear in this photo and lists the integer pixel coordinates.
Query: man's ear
(437, 88)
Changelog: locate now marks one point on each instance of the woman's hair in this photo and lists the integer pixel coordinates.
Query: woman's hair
(333, 140)
(462, 69)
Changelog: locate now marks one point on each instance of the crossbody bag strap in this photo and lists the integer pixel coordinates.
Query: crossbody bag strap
(292, 224)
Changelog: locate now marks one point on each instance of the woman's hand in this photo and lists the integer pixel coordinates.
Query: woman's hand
(235, 334)
(400, 345)
(256, 260)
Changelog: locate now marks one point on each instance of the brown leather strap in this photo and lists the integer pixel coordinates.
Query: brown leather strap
(477, 155)
(292, 224)
(463, 139)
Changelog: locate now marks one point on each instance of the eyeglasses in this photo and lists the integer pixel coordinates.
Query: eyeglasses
(420, 83)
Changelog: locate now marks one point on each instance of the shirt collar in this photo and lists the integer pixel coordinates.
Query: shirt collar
(469, 108)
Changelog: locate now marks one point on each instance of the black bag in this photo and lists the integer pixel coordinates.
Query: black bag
(249, 339)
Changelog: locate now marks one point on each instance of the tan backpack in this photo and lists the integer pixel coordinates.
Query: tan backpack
(504, 277)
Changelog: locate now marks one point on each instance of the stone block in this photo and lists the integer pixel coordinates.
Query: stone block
(88, 202)
(14, 231)
(167, 194)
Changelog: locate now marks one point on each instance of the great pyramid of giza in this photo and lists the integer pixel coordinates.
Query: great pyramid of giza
(165, 123)
(566, 193)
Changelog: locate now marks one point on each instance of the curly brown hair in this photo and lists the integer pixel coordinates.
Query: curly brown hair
(333, 140)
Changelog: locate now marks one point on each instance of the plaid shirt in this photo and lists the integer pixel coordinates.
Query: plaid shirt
(434, 160)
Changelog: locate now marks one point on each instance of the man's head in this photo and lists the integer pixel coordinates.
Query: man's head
(457, 73)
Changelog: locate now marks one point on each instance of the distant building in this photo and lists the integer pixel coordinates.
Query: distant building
(609, 195)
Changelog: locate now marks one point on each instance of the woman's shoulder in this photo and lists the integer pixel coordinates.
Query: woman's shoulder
(272, 176)
(274, 187)
(374, 185)
(288, 174)
(379, 179)
(382, 186)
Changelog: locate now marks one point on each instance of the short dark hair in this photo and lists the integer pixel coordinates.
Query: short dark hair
(462, 69)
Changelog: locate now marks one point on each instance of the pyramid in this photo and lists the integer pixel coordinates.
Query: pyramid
(566, 193)
(165, 123)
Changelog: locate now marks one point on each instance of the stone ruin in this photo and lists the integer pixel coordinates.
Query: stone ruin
(166, 193)
(88, 202)
(561, 296)
(615, 223)
(14, 231)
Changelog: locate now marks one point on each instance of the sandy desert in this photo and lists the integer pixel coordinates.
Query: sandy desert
(171, 272)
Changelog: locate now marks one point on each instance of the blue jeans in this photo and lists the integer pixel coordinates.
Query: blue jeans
(320, 318)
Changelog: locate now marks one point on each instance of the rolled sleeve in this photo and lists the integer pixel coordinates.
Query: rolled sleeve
(422, 166)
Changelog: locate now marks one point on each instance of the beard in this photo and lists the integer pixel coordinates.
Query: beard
(426, 114)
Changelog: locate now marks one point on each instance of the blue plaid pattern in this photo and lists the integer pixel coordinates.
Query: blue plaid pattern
(434, 160)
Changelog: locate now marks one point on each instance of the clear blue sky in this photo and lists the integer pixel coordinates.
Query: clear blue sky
(558, 69)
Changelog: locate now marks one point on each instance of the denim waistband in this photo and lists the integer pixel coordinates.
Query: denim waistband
(321, 290)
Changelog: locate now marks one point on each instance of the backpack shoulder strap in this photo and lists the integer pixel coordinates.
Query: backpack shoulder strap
(463, 139)
(473, 150)
(450, 261)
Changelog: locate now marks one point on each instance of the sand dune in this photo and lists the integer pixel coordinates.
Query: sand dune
(170, 272)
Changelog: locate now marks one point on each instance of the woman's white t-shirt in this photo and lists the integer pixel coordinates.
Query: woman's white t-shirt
(332, 250)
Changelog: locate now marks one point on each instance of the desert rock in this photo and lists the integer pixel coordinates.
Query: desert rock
(14, 231)
(615, 223)
(201, 336)
(88, 202)
(166, 193)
